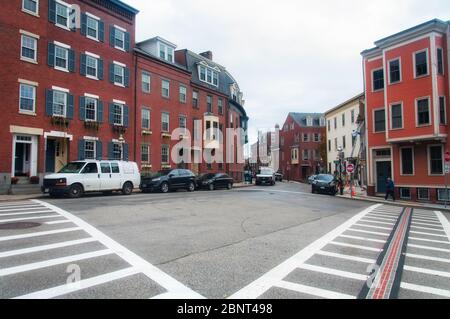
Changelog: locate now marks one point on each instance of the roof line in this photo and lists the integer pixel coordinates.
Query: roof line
(344, 103)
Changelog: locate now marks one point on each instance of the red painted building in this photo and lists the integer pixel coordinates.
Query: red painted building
(407, 92)
(300, 140)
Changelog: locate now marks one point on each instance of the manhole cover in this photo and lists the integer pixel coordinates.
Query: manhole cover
(18, 225)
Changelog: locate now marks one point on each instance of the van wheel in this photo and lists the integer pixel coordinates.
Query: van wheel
(230, 186)
(127, 188)
(75, 191)
(191, 187)
(164, 187)
(211, 187)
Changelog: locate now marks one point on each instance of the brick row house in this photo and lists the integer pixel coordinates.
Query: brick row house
(301, 138)
(75, 85)
(407, 93)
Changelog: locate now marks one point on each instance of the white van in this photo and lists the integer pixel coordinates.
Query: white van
(80, 177)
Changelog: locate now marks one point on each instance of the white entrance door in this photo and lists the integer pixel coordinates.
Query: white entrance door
(24, 161)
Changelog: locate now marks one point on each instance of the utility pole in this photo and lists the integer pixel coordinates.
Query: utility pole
(341, 157)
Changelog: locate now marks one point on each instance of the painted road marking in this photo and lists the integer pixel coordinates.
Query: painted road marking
(380, 218)
(331, 271)
(427, 234)
(56, 222)
(45, 247)
(355, 246)
(430, 240)
(428, 228)
(425, 289)
(368, 232)
(427, 271)
(366, 220)
(445, 223)
(429, 248)
(28, 218)
(18, 209)
(312, 290)
(27, 213)
(346, 257)
(426, 224)
(425, 219)
(371, 226)
(444, 260)
(42, 233)
(363, 238)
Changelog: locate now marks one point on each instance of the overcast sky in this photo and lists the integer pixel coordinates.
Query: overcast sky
(287, 55)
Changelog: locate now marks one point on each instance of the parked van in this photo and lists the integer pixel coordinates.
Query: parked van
(79, 177)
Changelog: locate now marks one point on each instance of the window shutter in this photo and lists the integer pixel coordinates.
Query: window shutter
(111, 72)
(83, 24)
(70, 106)
(71, 60)
(49, 102)
(52, 11)
(73, 21)
(125, 152)
(111, 114)
(82, 108)
(99, 150)
(112, 33)
(101, 31)
(83, 64)
(125, 116)
(100, 69)
(110, 150)
(81, 149)
(126, 73)
(51, 54)
(99, 111)
(127, 42)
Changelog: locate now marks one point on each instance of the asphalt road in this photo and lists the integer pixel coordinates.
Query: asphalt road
(257, 242)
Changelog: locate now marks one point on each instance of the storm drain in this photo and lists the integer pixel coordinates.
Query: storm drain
(18, 226)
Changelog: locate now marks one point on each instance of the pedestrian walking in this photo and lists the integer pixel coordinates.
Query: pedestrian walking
(390, 186)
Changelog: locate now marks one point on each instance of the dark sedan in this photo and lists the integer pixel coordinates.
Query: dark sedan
(167, 180)
(324, 184)
(214, 181)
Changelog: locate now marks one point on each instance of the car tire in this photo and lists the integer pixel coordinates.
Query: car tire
(211, 187)
(164, 187)
(127, 188)
(229, 186)
(75, 191)
(191, 187)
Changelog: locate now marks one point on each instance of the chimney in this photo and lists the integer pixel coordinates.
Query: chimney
(207, 54)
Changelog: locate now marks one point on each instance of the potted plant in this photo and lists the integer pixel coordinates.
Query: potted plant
(34, 179)
(14, 180)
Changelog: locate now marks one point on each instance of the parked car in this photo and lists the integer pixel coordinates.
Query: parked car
(266, 175)
(278, 177)
(324, 183)
(77, 178)
(167, 180)
(213, 181)
(311, 179)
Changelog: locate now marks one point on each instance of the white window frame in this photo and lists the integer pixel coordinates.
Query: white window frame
(65, 103)
(318, 137)
(443, 61)
(444, 190)
(322, 121)
(305, 158)
(114, 114)
(413, 160)
(307, 140)
(165, 48)
(62, 3)
(96, 58)
(122, 67)
(97, 20)
(117, 147)
(181, 94)
(429, 159)
(418, 194)
(391, 118)
(95, 108)
(445, 109)
(94, 142)
(27, 59)
(164, 81)
(373, 82)
(404, 197)
(147, 151)
(373, 115)
(214, 74)
(145, 74)
(149, 112)
(417, 111)
(34, 99)
(163, 114)
(165, 147)
(428, 63)
(309, 121)
(66, 48)
(123, 31)
(399, 59)
(29, 11)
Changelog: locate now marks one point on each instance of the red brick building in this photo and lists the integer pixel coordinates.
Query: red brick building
(300, 140)
(407, 93)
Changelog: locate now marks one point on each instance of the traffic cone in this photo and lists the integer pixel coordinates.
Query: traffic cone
(353, 191)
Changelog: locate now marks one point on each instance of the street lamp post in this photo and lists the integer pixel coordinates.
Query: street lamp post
(341, 156)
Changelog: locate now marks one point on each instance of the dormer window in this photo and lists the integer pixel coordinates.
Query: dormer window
(309, 121)
(208, 74)
(166, 52)
(322, 121)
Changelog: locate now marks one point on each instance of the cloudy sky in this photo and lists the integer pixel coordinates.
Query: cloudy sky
(287, 55)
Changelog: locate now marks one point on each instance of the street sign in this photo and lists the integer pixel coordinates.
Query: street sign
(447, 157)
(447, 168)
(350, 168)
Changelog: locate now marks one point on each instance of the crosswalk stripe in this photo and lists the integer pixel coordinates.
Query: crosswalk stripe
(27, 213)
(380, 218)
(427, 234)
(46, 247)
(346, 257)
(331, 271)
(425, 289)
(367, 232)
(371, 226)
(444, 260)
(376, 222)
(28, 218)
(429, 240)
(429, 248)
(57, 222)
(426, 224)
(313, 291)
(364, 238)
(53, 262)
(82, 284)
(355, 246)
(424, 219)
(428, 228)
(42, 233)
(427, 271)
(18, 209)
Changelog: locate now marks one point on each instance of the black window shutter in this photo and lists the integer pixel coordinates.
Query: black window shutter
(81, 149)
(71, 60)
(83, 24)
(52, 11)
(83, 64)
(82, 108)
(51, 54)
(49, 102)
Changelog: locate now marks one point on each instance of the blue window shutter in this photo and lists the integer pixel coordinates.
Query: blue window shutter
(73, 22)
(49, 102)
(82, 108)
(110, 150)
(83, 24)
(51, 54)
(112, 33)
(83, 64)
(70, 106)
(111, 114)
(99, 150)
(101, 31)
(52, 11)
(100, 69)
(81, 149)
(126, 72)
(127, 42)
(111, 72)
(99, 111)
(71, 60)
(125, 115)
(125, 152)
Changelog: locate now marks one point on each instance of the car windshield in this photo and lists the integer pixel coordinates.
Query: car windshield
(266, 171)
(325, 178)
(72, 168)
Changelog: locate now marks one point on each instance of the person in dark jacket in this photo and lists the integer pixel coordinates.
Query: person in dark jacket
(390, 186)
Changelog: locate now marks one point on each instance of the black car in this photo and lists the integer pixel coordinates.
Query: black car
(167, 180)
(213, 181)
(324, 184)
(279, 177)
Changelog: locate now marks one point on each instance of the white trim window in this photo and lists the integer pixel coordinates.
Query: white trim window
(166, 52)
(309, 121)
(220, 105)
(27, 102)
(62, 14)
(145, 118)
(90, 149)
(91, 66)
(61, 58)
(322, 121)
(396, 116)
(423, 194)
(423, 112)
(117, 114)
(28, 50)
(165, 120)
(165, 88)
(59, 103)
(91, 109)
(117, 151)
(119, 39)
(92, 27)
(443, 194)
(305, 137)
(435, 160)
(146, 82)
(164, 154)
(208, 74)
(195, 99)
(145, 153)
(183, 94)
(407, 161)
(377, 80)
(395, 71)
(305, 155)
(421, 63)
(316, 137)
(30, 6)
(379, 121)
(440, 61)
(352, 116)
(405, 193)
(119, 74)
(442, 111)
(182, 122)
